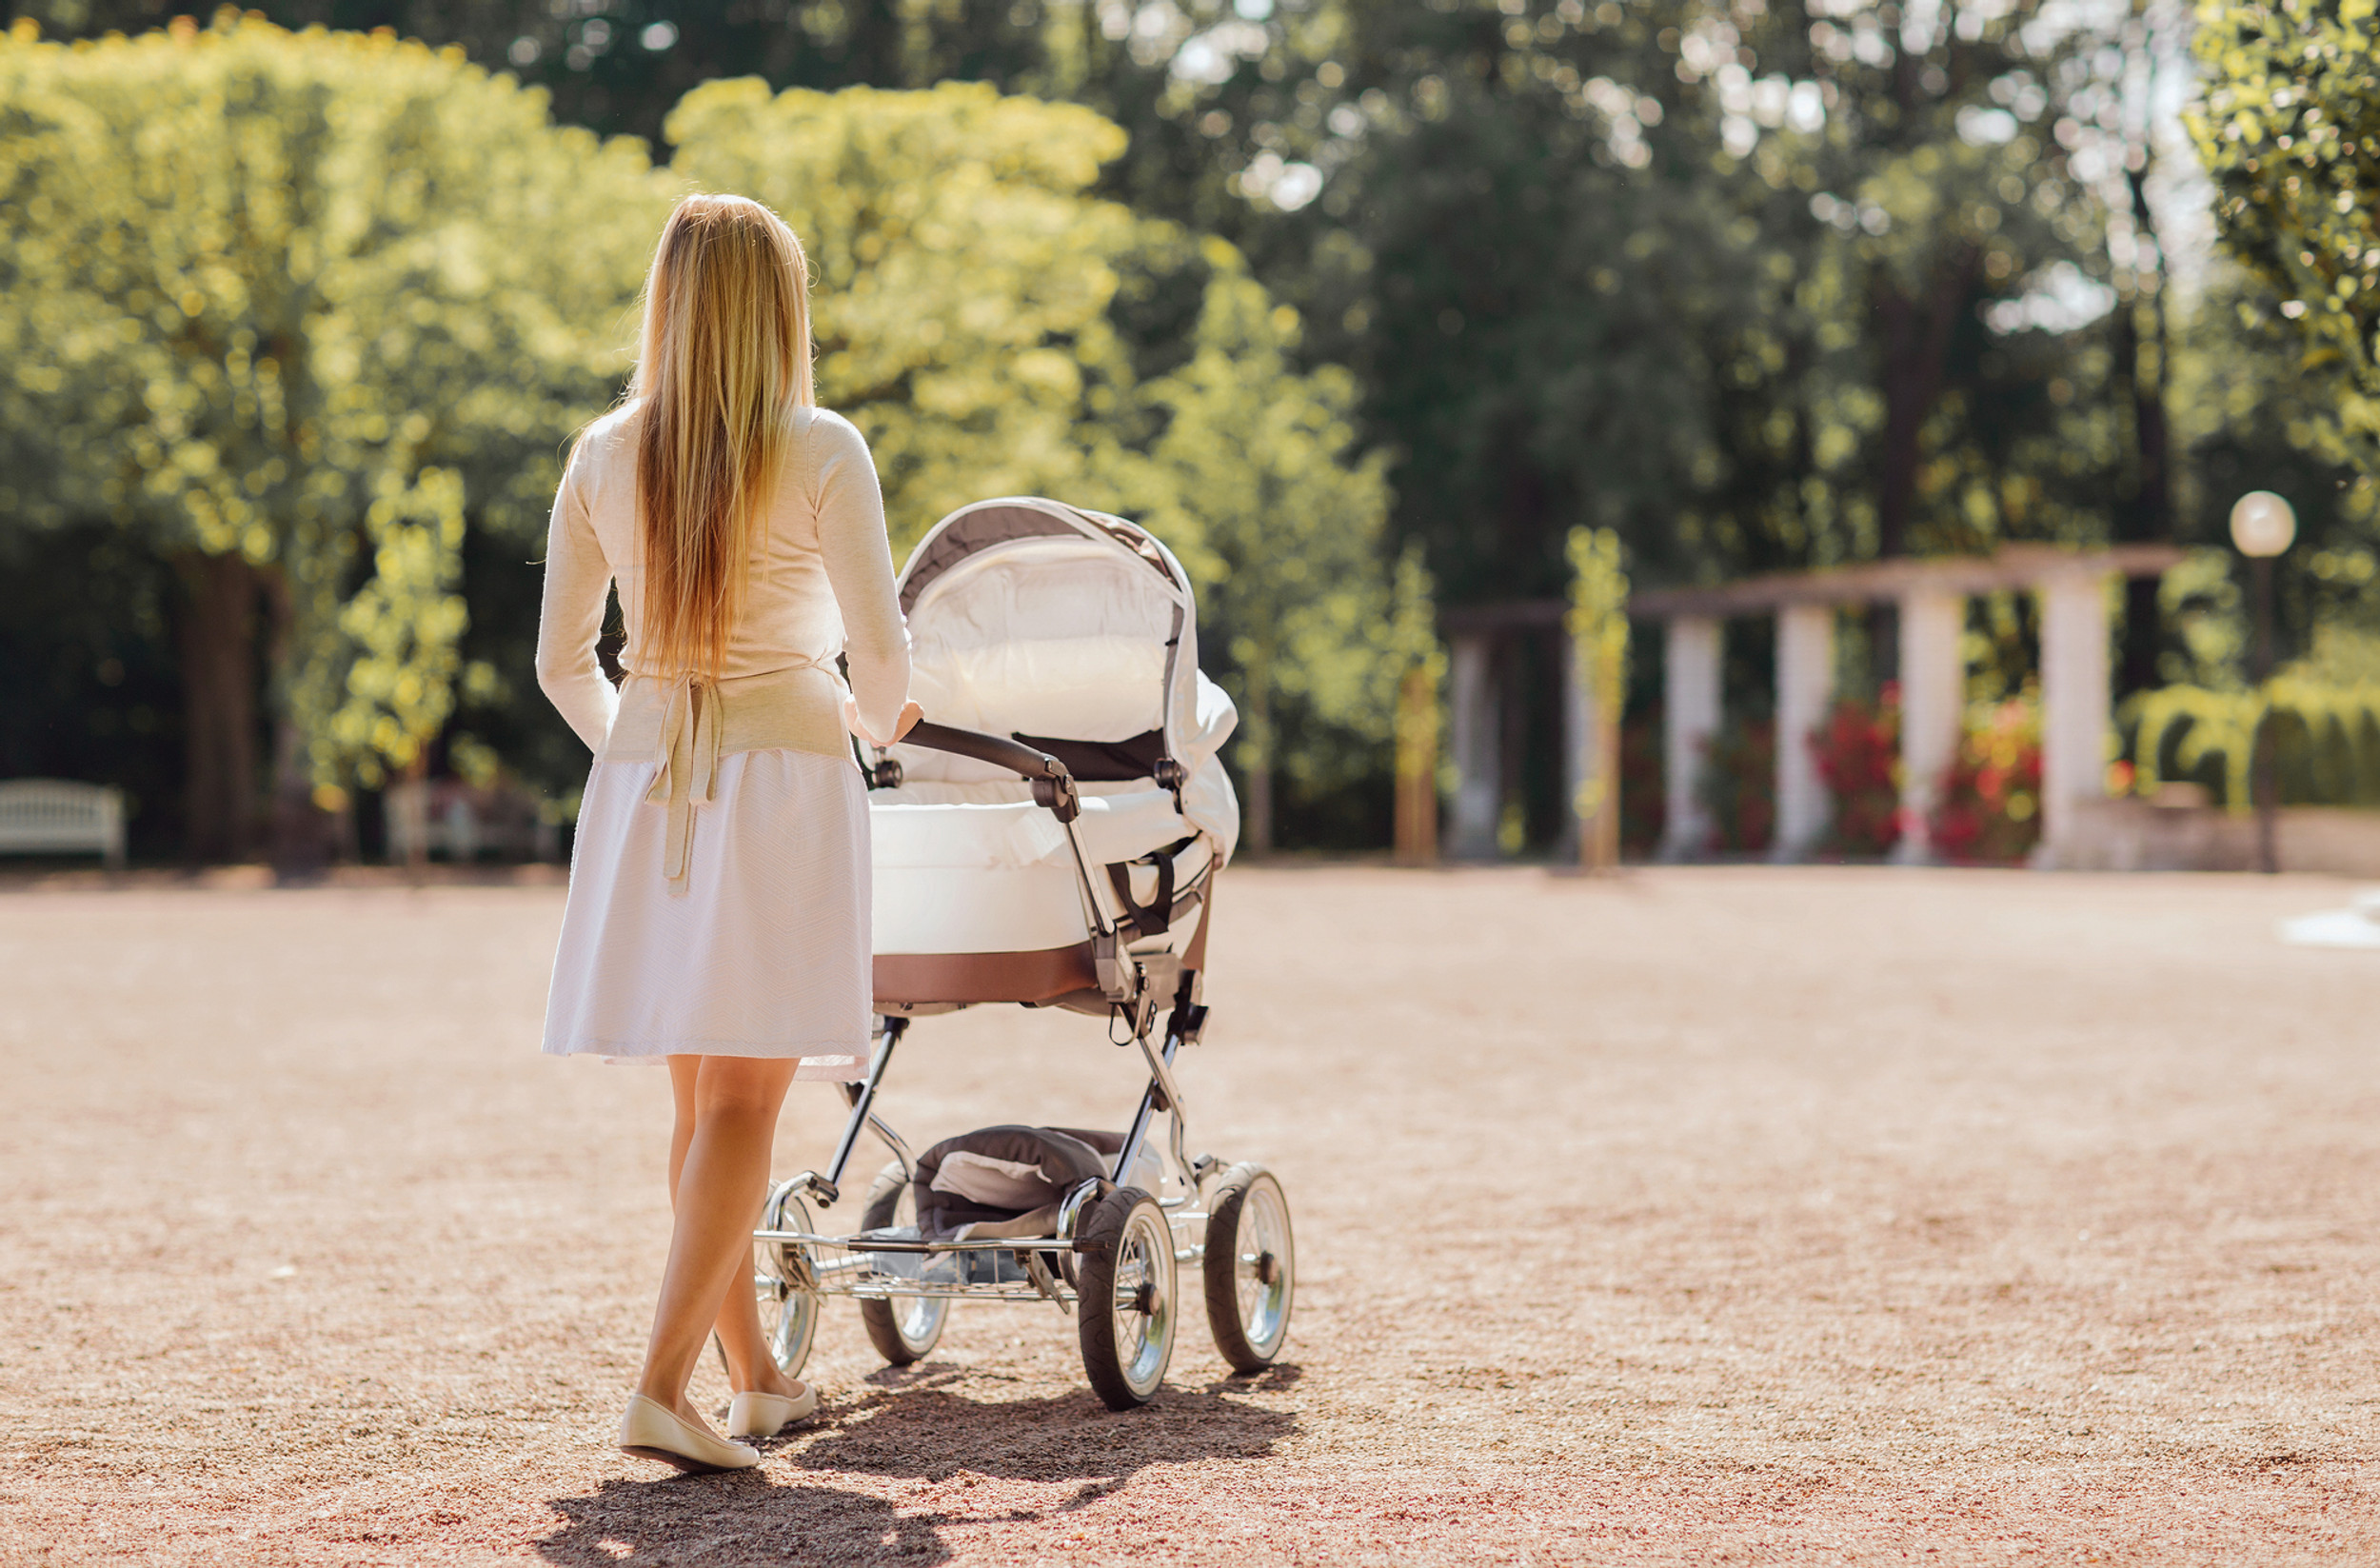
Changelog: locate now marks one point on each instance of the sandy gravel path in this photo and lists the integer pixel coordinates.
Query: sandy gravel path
(1700, 1216)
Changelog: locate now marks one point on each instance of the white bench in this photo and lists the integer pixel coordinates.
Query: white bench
(448, 817)
(60, 817)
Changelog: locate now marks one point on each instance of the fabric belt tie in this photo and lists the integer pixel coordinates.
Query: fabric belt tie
(684, 728)
(690, 727)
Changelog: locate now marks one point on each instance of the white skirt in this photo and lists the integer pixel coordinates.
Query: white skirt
(766, 954)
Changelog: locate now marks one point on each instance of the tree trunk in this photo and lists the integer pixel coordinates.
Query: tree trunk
(416, 788)
(2149, 517)
(1916, 348)
(1416, 770)
(303, 834)
(218, 637)
(1257, 817)
(1260, 809)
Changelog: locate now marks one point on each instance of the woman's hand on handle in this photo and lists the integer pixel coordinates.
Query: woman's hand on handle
(910, 714)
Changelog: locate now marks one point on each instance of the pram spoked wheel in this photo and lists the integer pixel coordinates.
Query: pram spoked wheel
(1251, 1267)
(786, 1281)
(1125, 1309)
(904, 1330)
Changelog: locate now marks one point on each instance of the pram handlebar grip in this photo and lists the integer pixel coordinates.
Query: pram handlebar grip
(1053, 787)
(995, 749)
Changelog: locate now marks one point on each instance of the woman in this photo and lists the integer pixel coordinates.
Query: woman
(718, 915)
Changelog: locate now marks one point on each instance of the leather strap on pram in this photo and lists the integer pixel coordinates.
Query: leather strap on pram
(1150, 919)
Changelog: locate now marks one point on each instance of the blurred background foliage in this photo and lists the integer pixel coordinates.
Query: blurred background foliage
(278, 311)
(2289, 132)
(1363, 303)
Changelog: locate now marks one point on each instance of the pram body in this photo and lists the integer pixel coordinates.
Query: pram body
(1050, 838)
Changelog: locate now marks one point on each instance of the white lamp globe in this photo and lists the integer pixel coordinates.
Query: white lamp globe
(2262, 523)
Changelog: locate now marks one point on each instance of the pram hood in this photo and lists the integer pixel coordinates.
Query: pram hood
(1072, 630)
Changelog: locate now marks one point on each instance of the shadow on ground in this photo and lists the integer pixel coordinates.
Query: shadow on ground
(916, 1426)
(739, 1517)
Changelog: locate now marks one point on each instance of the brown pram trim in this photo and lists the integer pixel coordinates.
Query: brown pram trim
(1037, 978)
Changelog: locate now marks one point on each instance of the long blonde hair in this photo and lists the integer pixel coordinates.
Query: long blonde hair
(724, 356)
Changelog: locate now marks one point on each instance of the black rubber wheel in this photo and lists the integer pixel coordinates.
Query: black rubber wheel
(903, 1331)
(1125, 1310)
(1251, 1268)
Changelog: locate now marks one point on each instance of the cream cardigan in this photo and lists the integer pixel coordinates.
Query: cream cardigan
(821, 581)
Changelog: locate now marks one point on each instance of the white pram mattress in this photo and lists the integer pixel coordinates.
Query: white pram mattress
(981, 868)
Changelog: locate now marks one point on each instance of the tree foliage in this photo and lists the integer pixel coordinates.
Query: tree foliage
(2196, 727)
(962, 276)
(315, 302)
(1739, 281)
(1256, 464)
(1752, 284)
(996, 328)
(2248, 416)
(2290, 128)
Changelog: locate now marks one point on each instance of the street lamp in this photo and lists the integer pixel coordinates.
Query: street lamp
(2262, 526)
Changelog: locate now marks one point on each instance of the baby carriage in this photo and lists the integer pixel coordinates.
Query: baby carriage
(1050, 838)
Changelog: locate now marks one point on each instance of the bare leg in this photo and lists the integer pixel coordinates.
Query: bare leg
(750, 1367)
(721, 1178)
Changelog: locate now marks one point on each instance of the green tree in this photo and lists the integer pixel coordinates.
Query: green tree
(1950, 201)
(1715, 275)
(1256, 464)
(963, 275)
(1756, 286)
(1518, 247)
(2247, 417)
(2289, 130)
(995, 328)
(302, 310)
(618, 67)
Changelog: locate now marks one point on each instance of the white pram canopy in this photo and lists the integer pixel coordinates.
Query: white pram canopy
(1075, 633)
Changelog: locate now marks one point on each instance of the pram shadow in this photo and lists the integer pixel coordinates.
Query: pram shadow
(919, 1425)
(928, 1427)
(743, 1517)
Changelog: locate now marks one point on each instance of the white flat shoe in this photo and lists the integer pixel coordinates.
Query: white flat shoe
(765, 1415)
(653, 1431)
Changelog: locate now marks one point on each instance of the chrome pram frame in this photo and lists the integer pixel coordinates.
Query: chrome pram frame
(1115, 1250)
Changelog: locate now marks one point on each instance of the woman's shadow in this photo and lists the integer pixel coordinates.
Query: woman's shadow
(917, 1424)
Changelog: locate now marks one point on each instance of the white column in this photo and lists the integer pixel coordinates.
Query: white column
(2076, 678)
(1479, 791)
(1805, 683)
(1690, 720)
(1934, 702)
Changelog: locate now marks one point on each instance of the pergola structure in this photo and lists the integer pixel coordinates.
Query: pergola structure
(2076, 678)
(1481, 641)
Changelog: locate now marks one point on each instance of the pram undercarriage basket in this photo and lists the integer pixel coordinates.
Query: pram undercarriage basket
(1052, 842)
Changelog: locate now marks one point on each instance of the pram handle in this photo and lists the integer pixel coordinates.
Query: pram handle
(1053, 787)
(995, 749)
